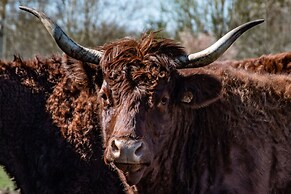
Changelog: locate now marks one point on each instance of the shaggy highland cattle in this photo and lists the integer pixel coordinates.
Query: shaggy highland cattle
(49, 133)
(170, 122)
(223, 128)
(45, 156)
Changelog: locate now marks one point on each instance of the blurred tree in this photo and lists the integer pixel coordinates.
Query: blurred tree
(94, 22)
(271, 37)
(200, 23)
(81, 20)
(219, 21)
(216, 17)
(3, 4)
(198, 16)
(26, 36)
(159, 27)
(84, 22)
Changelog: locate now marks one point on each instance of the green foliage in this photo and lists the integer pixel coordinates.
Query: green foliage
(5, 181)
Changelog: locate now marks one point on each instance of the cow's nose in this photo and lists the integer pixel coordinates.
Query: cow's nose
(128, 151)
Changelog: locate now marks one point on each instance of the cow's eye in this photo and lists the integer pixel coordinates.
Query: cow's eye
(105, 99)
(164, 100)
(103, 96)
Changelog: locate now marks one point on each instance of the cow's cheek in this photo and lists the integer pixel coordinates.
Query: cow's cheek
(164, 131)
(155, 142)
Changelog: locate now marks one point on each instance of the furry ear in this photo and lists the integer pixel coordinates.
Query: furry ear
(75, 70)
(199, 90)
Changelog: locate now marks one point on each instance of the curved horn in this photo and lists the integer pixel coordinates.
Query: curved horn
(212, 53)
(64, 42)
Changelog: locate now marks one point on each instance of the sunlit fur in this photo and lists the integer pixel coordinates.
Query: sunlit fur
(231, 134)
(239, 143)
(49, 136)
(275, 64)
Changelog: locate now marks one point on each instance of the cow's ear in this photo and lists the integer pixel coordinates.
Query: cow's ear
(82, 74)
(199, 90)
(75, 70)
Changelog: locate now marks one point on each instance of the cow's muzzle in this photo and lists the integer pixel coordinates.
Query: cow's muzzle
(130, 152)
(132, 157)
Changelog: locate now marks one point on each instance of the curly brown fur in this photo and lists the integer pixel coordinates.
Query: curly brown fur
(223, 129)
(57, 151)
(218, 129)
(275, 64)
(138, 64)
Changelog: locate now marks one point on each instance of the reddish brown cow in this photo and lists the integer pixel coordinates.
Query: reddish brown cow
(167, 129)
(49, 142)
(42, 156)
(216, 129)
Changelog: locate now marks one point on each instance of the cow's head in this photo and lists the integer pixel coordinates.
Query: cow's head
(142, 93)
(140, 96)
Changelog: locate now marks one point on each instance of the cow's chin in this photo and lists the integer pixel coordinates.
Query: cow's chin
(132, 172)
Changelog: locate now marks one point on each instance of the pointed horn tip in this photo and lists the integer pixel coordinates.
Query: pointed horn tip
(30, 10)
(258, 21)
(22, 7)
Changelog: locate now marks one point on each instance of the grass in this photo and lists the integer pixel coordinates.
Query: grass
(5, 182)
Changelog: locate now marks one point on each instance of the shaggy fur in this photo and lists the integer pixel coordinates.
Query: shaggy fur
(47, 143)
(217, 129)
(224, 128)
(275, 64)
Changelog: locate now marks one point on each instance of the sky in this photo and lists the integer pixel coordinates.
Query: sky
(132, 13)
(135, 13)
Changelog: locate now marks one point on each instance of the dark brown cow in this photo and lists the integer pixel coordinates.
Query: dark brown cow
(216, 129)
(47, 158)
(49, 142)
(167, 129)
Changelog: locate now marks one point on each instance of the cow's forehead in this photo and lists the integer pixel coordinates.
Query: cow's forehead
(140, 56)
(138, 71)
(132, 67)
(137, 78)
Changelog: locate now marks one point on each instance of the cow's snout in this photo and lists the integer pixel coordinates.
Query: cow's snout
(132, 157)
(128, 152)
(131, 151)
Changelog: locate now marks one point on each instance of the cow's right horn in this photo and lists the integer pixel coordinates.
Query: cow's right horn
(67, 45)
(212, 53)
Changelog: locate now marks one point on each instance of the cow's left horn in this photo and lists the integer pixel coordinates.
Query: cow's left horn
(212, 53)
(67, 45)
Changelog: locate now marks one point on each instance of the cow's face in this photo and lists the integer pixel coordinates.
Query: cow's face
(139, 102)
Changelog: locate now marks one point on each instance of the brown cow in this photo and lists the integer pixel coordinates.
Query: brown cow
(216, 129)
(167, 129)
(42, 156)
(49, 142)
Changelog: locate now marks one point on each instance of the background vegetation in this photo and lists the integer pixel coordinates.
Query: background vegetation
(5, 181)
(194, 23)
